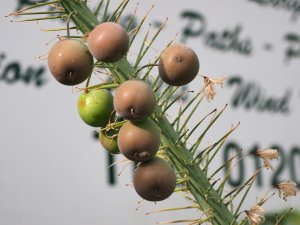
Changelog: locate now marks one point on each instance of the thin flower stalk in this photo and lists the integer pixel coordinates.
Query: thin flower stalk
(168, 89)
(188, 105)
(278, 220)
(183, 135)
(154, 63)
(151, 42)
(105, 11)
(224, 165)
(137, 29)
(245, 195)
(205, 152)
(157, 85)
(229, 168)
(121, 6)
(249, 183)
(175, 100)
(210, 158)
(58, 29)
(37, 5)
(237, 190)
(37, 13)
(176, 126)
(39, 18)
(132, 18)
(169, 96)
(199, 140)
(97, 10)
(145, 66)
(191, 113)
(198, 124)
(173, 209)
(191, 221)
(139, 56)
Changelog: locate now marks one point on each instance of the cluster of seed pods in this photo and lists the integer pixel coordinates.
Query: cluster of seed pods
(139, 140)
(71, 62)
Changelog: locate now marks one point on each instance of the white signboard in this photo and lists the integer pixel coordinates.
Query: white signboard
(52, 167)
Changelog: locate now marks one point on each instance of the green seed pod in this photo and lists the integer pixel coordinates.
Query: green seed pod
(108, 140)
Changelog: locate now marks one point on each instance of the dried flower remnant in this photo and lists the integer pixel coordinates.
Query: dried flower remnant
(266, 155)
(287, 189)
(209, 86)
(255, 215)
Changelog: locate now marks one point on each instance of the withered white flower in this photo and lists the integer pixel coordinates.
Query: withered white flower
(266, 155)
(219, 80)
(255, 215)
(209, 86)
(287, 189)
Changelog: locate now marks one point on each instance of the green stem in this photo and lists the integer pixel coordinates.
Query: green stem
(98, 8)
(38, 13)
(105, 11)
(40, 18)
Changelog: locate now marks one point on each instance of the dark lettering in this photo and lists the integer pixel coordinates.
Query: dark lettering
(196, 25)
(287, 160)
(34, 75)
(251, 96)
(231, 149)
(282, 159)
(293, 49)
(289, 5)
(257, 162)
(11, 73)
(2, 57)
(295, 167)
(227, 40)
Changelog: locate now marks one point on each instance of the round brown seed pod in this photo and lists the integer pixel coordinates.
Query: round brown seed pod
(178, 65)
(139, 140)
(108, 42)
(154, 180)
(70, 62)
(134, 100)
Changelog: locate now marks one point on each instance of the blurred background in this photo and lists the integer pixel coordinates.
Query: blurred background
(53, 169)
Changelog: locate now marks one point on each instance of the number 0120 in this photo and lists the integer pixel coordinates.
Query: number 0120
(288, 160)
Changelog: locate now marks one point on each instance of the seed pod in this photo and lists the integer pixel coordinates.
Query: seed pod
(70, 62)
(108, 140)
(134, 100)
(95, 107)
(139, 140)
(178, 65)
(108, 42)
(154, 180)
